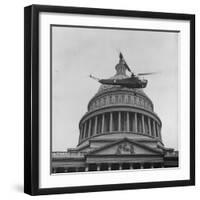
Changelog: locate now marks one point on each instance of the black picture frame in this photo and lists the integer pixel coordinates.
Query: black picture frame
(31, 98)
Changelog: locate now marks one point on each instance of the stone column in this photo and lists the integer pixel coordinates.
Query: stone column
(149, 125)
(98, 167)
(54, 170)
(65, 170)
(143, 128)
(128, 122)
(86, 168)
(102, 125)
(154, 129)
(81, 133)
(120, 166)
(85, 126)
(111, 122)
(157, 130)
(119, 121)
(131, 165)
(141, 165)
(95, 126)
(89, 129)
(136, 129)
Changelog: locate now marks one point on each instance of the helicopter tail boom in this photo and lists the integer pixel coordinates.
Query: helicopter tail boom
(95, 78)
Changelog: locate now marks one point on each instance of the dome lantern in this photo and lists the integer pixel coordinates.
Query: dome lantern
(121, 66)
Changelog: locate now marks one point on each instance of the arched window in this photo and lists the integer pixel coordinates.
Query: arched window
(116, 99)
(110, 99)
(129, 100)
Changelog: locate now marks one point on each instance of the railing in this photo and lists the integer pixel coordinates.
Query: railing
(64, 154)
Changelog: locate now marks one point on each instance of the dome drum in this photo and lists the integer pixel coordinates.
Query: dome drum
(120, 108)
(119, 122)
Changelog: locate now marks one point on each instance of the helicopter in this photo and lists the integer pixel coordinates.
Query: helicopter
(130, 82)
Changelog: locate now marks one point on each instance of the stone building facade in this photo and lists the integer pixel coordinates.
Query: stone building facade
(119, 131)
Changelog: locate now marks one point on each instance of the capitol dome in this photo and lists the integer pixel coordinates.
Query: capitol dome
(117, 112)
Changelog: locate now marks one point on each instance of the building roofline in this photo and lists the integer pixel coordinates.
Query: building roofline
(131, 133)
(127, 140)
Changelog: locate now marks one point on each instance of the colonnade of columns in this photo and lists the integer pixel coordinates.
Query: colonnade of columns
(120, 122)
(122, 166)
(109, 166)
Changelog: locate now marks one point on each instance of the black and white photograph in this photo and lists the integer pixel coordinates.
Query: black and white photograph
(109, 95)
(114, 99)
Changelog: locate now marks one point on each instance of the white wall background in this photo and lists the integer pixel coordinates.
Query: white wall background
(11, 101)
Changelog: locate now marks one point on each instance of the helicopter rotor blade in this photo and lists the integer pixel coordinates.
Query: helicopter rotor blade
(146, 74)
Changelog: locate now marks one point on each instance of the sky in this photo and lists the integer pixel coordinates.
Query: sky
(78, 52)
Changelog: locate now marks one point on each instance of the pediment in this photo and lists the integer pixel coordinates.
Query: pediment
(126, 147)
